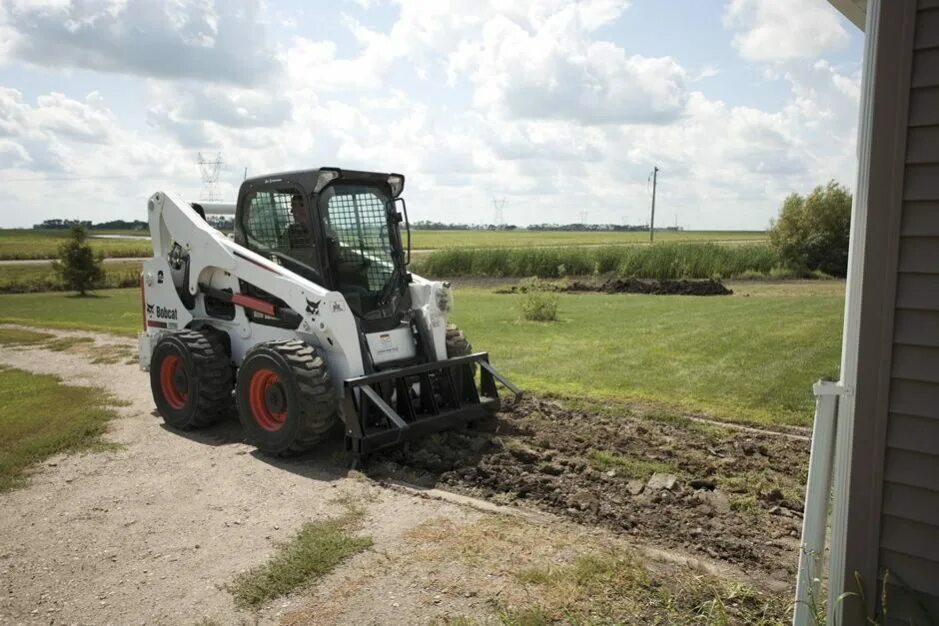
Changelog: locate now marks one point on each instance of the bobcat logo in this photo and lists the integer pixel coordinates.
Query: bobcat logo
(162, 312)
(313, 308)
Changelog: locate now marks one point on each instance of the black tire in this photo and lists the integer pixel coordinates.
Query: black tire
(191, 379)
(286, 400)
(458, 345)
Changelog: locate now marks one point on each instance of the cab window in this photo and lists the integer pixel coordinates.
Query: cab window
(278, 224)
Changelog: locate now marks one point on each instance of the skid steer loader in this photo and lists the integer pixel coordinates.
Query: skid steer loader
(307, 319)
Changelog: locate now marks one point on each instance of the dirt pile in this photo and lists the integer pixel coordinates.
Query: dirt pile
(717, 492)
(655, 287)
(709, 287)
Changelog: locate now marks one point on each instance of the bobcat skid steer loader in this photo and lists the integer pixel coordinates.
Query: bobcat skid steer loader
(309, 317)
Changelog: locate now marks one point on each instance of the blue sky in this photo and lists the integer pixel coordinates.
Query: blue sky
(558, 107)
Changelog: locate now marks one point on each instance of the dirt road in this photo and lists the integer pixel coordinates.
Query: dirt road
(153, 531)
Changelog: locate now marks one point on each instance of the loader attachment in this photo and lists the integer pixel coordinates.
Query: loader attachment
(393, 406)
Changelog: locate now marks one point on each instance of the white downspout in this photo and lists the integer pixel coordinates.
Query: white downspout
(852, 318)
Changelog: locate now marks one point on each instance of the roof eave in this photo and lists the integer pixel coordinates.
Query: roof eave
(854, 10)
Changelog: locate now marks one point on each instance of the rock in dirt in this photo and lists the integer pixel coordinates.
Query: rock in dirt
(661, 481)
(585, 500)
(717, 500)
(635, 487)
(525, 455)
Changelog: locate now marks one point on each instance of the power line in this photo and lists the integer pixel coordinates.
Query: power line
(498, 214)
(654, 175)
(210, 169)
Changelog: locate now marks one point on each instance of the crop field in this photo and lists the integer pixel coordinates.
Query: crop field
(661, 261)
(436, 239)
(42, 244)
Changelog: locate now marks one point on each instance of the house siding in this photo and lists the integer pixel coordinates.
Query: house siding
(892, 536)
(908, 572)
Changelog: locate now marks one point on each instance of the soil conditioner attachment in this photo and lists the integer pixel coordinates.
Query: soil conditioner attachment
(306, 319)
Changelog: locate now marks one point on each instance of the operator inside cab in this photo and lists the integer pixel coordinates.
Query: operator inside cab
(300, 234)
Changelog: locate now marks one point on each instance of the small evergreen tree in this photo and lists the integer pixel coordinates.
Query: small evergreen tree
(812, 232)
(78, 266)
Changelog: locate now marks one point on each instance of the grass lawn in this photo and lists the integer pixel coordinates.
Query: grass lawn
(41, 417)
(752, 356)
(112, 310)
(22, 243)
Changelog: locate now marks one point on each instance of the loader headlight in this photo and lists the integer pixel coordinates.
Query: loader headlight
(324, 178)
(396, 182)
(443, 297)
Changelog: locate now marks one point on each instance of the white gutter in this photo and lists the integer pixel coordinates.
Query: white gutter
(852, 319)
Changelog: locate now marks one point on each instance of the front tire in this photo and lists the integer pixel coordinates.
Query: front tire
(459, 345)
(286, 400)
(191, 379)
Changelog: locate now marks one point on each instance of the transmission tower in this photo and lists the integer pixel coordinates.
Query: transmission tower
(498, 214)
(210, 168)
(583, 217)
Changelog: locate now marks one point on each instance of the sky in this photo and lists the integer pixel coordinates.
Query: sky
(560, 109)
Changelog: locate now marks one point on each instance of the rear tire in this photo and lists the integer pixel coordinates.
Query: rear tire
(191, 379)
(286, 400)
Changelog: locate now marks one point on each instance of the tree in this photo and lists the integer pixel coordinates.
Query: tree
(78, 266)
(812, 232)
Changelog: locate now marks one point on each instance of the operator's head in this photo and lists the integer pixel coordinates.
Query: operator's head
(296, 207)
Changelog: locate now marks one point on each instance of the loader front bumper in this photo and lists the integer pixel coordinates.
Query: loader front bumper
(393, 406)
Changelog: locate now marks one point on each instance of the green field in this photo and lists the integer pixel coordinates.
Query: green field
(662, 261)
(750, 357)
(436, 239)
(32, 277)
(42, 244)
(113, 310)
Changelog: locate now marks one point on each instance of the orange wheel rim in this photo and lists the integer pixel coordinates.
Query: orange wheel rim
(174, 382)
(267, 400)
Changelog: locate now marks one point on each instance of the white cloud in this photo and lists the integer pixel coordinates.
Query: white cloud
(556, 73)
(540, 110)
(214, 42)
(772, 30)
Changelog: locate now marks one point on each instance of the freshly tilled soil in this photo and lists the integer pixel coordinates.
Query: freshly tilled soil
(734, 497)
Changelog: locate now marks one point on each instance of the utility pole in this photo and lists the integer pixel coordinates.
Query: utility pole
(655, 175)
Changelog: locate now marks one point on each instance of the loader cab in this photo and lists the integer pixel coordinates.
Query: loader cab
(339, 229)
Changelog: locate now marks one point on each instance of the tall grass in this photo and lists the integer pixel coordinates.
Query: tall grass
(660, 261)
(32, 278)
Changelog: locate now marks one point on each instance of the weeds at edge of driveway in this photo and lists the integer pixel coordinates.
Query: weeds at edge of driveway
(312, 553)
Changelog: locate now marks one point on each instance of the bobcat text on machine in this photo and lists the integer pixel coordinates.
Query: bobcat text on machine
(310, 316)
